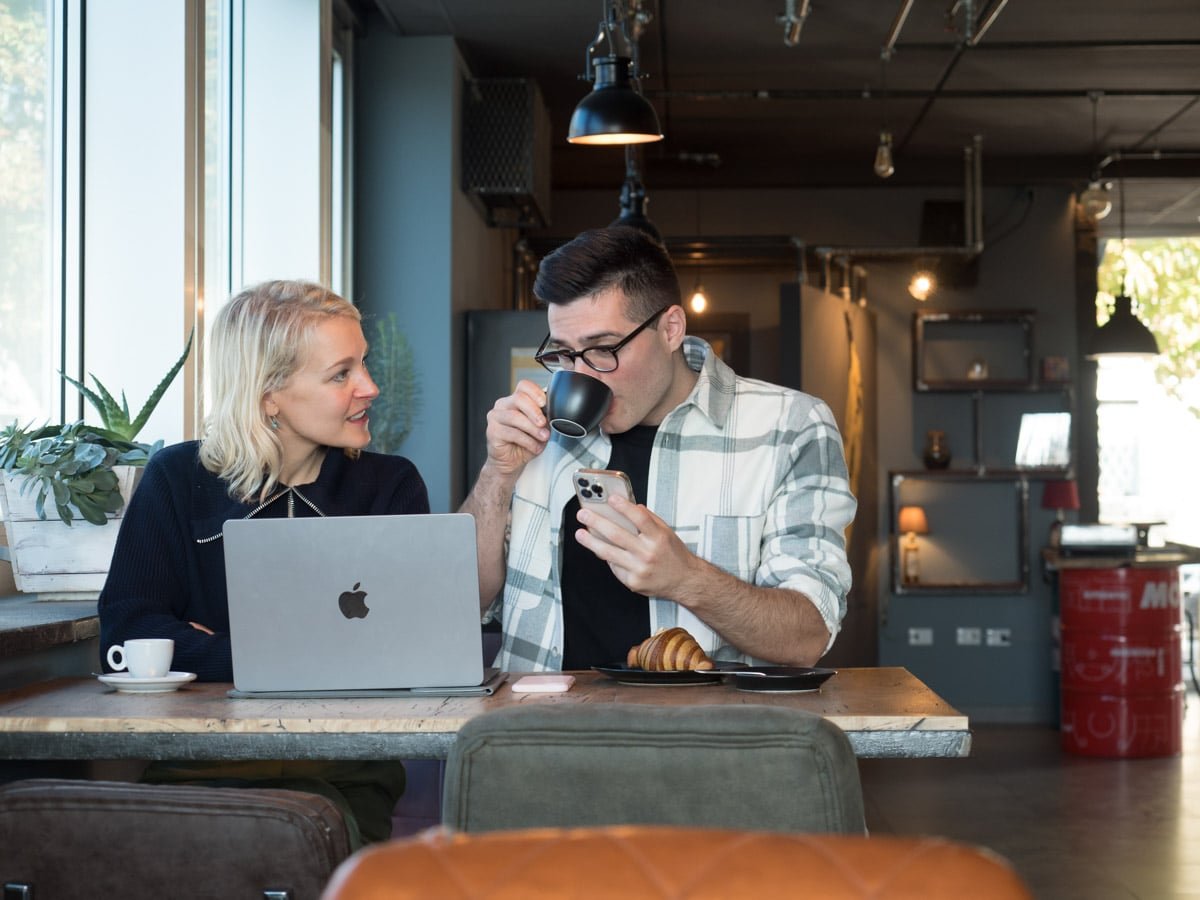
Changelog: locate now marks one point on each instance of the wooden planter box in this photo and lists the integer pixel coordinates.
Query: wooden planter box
(51, 558)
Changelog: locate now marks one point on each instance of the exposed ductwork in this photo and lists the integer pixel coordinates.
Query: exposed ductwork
(506, 151)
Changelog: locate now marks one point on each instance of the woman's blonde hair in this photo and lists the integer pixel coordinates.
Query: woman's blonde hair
(258, 341)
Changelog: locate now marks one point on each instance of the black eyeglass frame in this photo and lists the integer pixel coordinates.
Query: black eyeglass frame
(574, 355)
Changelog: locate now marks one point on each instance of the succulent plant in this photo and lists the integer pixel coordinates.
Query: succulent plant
(71, 465)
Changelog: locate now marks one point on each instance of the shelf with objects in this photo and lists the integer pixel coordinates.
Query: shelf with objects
(988, 353)
(942, 544)
(980, 526)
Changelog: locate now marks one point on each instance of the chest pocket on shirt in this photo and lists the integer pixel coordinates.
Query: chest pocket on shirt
(530, 563)
(733, 543)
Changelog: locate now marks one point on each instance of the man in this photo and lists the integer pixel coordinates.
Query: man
(745, 497)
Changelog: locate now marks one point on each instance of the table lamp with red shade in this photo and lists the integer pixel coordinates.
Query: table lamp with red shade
(1059, 495)
(911, 522)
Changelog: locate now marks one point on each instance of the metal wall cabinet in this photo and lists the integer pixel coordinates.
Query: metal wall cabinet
(972, 351)
(984, 503)
(1008, 546)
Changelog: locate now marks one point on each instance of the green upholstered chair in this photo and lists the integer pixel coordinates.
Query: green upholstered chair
(735, 767)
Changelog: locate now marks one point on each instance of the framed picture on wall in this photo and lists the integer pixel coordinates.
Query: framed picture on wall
(727, 333)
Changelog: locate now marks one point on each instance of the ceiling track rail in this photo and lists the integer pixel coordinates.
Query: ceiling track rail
(846, 94)
(1052, 46)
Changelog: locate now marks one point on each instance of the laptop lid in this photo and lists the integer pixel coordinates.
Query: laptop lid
(353, 603)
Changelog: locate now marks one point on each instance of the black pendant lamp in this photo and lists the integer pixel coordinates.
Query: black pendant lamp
(1124, 334)
(633, 197)
(615, 112)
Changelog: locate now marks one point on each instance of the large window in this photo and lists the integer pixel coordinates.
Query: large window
(29, 215)
(1149, 410)
(192, 164)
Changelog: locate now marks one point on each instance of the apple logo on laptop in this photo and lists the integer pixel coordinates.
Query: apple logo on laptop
(353, 603)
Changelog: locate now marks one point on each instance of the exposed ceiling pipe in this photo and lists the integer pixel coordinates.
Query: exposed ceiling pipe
(986, 20)
(972, 222)
(973, 189)
(968, 8)
(1056, 46)
(1117, 156)
(1153, 132)
(806, 94)
(792, 21)
(775, 94)
(893, 35)
(1164, 215)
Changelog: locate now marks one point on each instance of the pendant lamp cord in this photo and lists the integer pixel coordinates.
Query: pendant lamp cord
(1121, 198)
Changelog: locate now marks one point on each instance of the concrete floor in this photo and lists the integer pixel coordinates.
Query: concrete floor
(1073, 826)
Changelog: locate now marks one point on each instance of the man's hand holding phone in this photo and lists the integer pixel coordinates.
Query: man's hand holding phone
(654, 561)
(593, 487)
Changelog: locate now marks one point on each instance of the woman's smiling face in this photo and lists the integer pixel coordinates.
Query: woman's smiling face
(325, 402)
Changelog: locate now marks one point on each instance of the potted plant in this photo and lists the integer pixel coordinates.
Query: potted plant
(85, 474)
(394, 369)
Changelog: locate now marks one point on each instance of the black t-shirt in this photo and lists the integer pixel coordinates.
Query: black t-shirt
(602, 618)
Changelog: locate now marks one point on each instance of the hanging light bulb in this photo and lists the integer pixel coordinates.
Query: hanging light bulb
(699, 301)
(922, 284)
(1095, 201)
(884, 167)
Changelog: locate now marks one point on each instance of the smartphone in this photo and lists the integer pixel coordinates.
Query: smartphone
(593, 487)
(543, 684)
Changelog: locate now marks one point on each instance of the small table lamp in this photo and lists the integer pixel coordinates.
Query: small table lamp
(1059, 495)
(912, 522)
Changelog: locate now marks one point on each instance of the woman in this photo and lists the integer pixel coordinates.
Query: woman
(290, 418)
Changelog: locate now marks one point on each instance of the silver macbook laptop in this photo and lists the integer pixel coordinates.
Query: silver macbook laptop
(354, 606)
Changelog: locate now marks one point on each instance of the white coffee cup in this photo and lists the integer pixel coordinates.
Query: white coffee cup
(144, 657)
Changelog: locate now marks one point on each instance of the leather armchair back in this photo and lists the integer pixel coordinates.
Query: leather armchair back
(67, 838)
(653, 863)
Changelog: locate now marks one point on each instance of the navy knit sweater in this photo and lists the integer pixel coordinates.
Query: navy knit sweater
(168, 568)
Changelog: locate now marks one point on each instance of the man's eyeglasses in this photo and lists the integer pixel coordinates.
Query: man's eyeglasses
(601, 359)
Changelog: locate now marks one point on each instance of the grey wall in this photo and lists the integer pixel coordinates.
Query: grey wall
(421, 250)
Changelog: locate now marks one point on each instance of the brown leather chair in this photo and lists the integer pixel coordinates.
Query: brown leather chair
(65, 839)
(648, 862)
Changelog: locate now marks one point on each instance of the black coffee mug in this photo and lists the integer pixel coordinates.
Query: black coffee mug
(576, 403)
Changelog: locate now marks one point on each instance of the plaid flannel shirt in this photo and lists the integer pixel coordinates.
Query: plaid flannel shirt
(750, 475)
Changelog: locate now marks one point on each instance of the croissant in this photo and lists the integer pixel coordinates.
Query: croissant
(668, 650)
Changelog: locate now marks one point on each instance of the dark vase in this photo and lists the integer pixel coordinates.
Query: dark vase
(937, 451)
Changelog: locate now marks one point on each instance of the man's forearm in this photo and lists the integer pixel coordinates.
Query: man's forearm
(489, 503)
(777, 624)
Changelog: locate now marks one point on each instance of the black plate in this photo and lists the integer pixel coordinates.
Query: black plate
(626, 675)
(779, 678)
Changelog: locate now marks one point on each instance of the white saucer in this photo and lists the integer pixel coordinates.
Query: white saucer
(127, 684)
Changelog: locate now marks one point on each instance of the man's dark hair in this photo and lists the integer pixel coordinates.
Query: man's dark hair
(618, 256)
